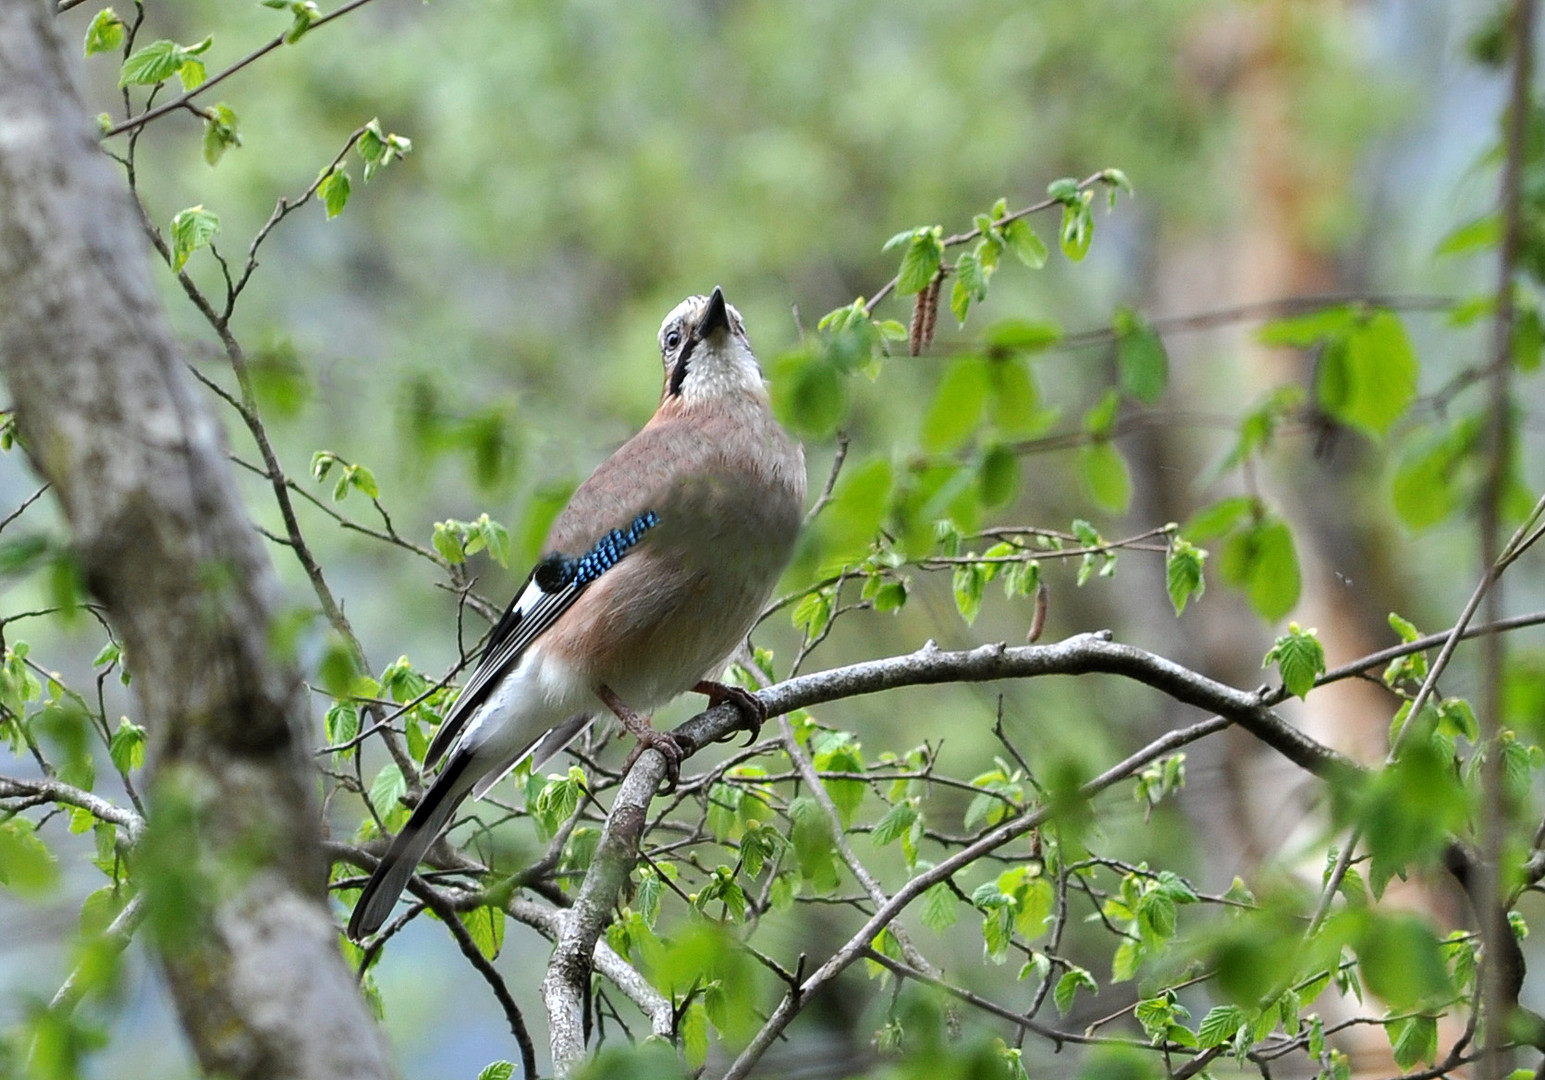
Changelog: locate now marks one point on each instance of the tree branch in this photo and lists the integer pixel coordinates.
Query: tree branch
(55, 791)
(182, 100)
(112, 422)
(567, 976)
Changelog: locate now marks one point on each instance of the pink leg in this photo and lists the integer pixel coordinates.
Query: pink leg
(648, 736)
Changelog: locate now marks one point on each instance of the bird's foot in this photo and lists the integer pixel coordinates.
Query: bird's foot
(670, 748)
(649, 738)
(753, 711)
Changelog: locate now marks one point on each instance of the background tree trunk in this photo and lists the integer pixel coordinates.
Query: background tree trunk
(112, 420)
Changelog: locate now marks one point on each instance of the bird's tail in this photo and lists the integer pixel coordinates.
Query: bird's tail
(427, 821)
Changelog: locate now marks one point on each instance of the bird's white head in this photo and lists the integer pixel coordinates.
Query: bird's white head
(705, 351)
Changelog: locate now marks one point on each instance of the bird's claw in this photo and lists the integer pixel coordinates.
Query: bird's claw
(669, 748)
(753, 710)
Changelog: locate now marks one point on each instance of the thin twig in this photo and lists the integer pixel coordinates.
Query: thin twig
(831, 478)
(20, 510)
(485, 968)
(966, 237)
(134, 123)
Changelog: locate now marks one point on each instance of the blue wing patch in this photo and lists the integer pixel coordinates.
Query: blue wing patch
(559, 571)
(555, 583)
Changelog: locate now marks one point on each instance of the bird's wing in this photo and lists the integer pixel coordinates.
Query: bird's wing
(554, 585)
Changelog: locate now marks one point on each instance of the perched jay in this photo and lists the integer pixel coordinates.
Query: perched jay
(658, 567)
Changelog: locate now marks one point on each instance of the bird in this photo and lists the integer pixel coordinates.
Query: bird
(654, 573)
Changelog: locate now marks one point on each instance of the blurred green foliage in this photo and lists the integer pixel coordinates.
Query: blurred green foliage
(446, 346)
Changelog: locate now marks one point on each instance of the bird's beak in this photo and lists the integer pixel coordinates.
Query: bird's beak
(716, 318)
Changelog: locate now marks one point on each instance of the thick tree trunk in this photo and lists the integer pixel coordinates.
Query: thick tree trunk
(112, 420)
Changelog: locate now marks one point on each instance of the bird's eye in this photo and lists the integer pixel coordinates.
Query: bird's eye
(673, 339)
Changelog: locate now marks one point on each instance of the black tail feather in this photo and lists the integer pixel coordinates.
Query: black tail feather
(424, 826)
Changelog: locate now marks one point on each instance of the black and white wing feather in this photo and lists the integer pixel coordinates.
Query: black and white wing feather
(554, 585)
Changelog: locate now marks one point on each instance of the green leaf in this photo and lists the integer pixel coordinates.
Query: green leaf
(379, 150)
(1302, 331)
(24, 554)
(1426, 487)
(387, 789)
(220, 132)
(970, 285)
(191, 74)
(1105, 476)
(1420, 490)
(1221, 517)
(1116, 180)
(1157, 1014)
(1219, 1025)
(1140, 357)
(306, 16)
(341, 722)
(858, 508)
(495, 535)
(1262, 561)
(1456, 717)
(920, 262)
(1077, 228)
(938, 910)
(1064, 189)
(155, 63)
(363, 480)
(1404, 627)
(1024, 243)
(1100, 420)
(838, 751)
(998, 476)
(127, 748)
(813, 612)
(100, 909)
(448, 541)
(1022, 335)
(334, 191)
(1413, 1040)
(813, 846)
(1183, 573)
(809, 393)
(105, 34)
(1299, 658)
(1127, 959)
(1400, 959)
(970, 580)
(1156, 917)
(27, 866)
(997, 931)
(1015, 406)
(1482, 234)
(891, 596)
(1316, 1036)
(192, 229)
(486, 926)
(498, 1070)
(896, 823)
(957, 405)
(1067, 988)
(1368, 379)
